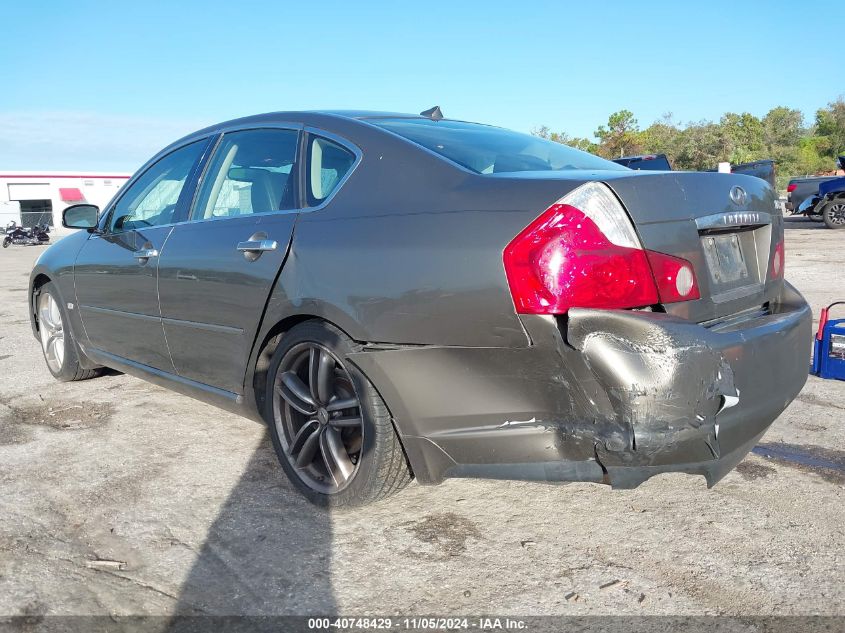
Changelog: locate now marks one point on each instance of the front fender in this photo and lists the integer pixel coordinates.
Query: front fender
(56, 265)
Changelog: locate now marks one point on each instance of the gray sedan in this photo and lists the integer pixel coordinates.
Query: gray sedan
(408, 296)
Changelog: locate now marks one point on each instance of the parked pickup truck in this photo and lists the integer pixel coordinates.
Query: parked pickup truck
(828, 205)
(649, 162)
(800, 189)
(764, 169)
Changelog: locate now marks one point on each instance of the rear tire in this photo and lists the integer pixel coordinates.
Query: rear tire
(61, 352)
(834, 214)
(332, 432)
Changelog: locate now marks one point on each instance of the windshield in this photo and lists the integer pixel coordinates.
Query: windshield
(486, 150)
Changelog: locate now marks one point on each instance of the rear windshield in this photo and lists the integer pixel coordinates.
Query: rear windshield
(487, 150)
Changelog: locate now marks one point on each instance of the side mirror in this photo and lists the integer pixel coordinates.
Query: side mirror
(81, 216)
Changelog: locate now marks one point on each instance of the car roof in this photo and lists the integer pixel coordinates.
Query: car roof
(367, 114)
(325, 119)
(307, 117)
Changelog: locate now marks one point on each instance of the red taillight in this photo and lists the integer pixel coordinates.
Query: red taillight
(778, 261)
(674, 276)
(791, 187)
(564, 260)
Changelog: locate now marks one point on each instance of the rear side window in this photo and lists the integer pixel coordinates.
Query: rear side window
(328, 163)
(485, 149)
(249, 173)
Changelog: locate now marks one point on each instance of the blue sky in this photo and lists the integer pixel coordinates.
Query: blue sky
(103, 85)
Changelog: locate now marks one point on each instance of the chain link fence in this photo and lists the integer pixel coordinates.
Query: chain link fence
(36, 212)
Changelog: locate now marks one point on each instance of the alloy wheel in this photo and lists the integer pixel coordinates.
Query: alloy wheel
(52, 331)
(318, 417)
(836, 213)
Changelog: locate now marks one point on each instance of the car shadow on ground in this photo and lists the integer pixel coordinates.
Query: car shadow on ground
(268, 552)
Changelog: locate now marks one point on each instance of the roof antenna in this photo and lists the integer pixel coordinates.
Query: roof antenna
(433, 113)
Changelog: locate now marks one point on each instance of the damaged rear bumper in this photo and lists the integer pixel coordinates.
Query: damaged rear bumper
(605, 396)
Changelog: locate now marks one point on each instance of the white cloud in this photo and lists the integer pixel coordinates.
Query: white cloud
(84, 141)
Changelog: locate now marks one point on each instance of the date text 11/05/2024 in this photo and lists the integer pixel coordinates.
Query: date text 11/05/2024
(418, 624)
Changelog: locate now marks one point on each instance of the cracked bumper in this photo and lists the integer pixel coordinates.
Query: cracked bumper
(606, 396)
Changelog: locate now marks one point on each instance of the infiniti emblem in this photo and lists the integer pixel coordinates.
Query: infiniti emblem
(738, 195)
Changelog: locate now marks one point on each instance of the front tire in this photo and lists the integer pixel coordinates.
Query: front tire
(6, 242)
(60, 350)
(834, 214)
(332, 432)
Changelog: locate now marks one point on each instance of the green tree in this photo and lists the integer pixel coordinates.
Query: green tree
(780, 135)
(620, 137)
(743, 134)
(830, 124)
(562, 137)
(661, 137)
(584, 144)
(811, 157)
(782, 127)
(700, 146)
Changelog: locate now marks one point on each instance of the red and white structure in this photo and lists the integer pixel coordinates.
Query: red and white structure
(34, 197)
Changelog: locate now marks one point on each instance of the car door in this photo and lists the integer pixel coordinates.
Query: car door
(219, 267)
(115, 272)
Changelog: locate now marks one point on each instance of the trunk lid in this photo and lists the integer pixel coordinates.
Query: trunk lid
(730, 241)
(726, 225)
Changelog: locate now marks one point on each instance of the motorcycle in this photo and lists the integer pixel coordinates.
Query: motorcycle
(38, 234)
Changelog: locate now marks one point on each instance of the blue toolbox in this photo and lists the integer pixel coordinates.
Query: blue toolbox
(829, 346)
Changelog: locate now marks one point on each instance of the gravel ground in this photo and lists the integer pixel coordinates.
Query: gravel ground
(118, 497)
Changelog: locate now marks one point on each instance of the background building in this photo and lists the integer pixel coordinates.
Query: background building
(31, 198)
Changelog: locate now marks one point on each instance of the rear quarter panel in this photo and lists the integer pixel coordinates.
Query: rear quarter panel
(410, 250)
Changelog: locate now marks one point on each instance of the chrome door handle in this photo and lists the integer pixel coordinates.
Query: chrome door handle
(255, 246)
(145, 253)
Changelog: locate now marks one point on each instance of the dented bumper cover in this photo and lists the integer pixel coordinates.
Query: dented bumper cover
(603, 395)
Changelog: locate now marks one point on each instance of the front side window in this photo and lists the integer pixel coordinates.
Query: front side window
(485, 149)
(328, 163)
(152, 199)
(251, 172)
